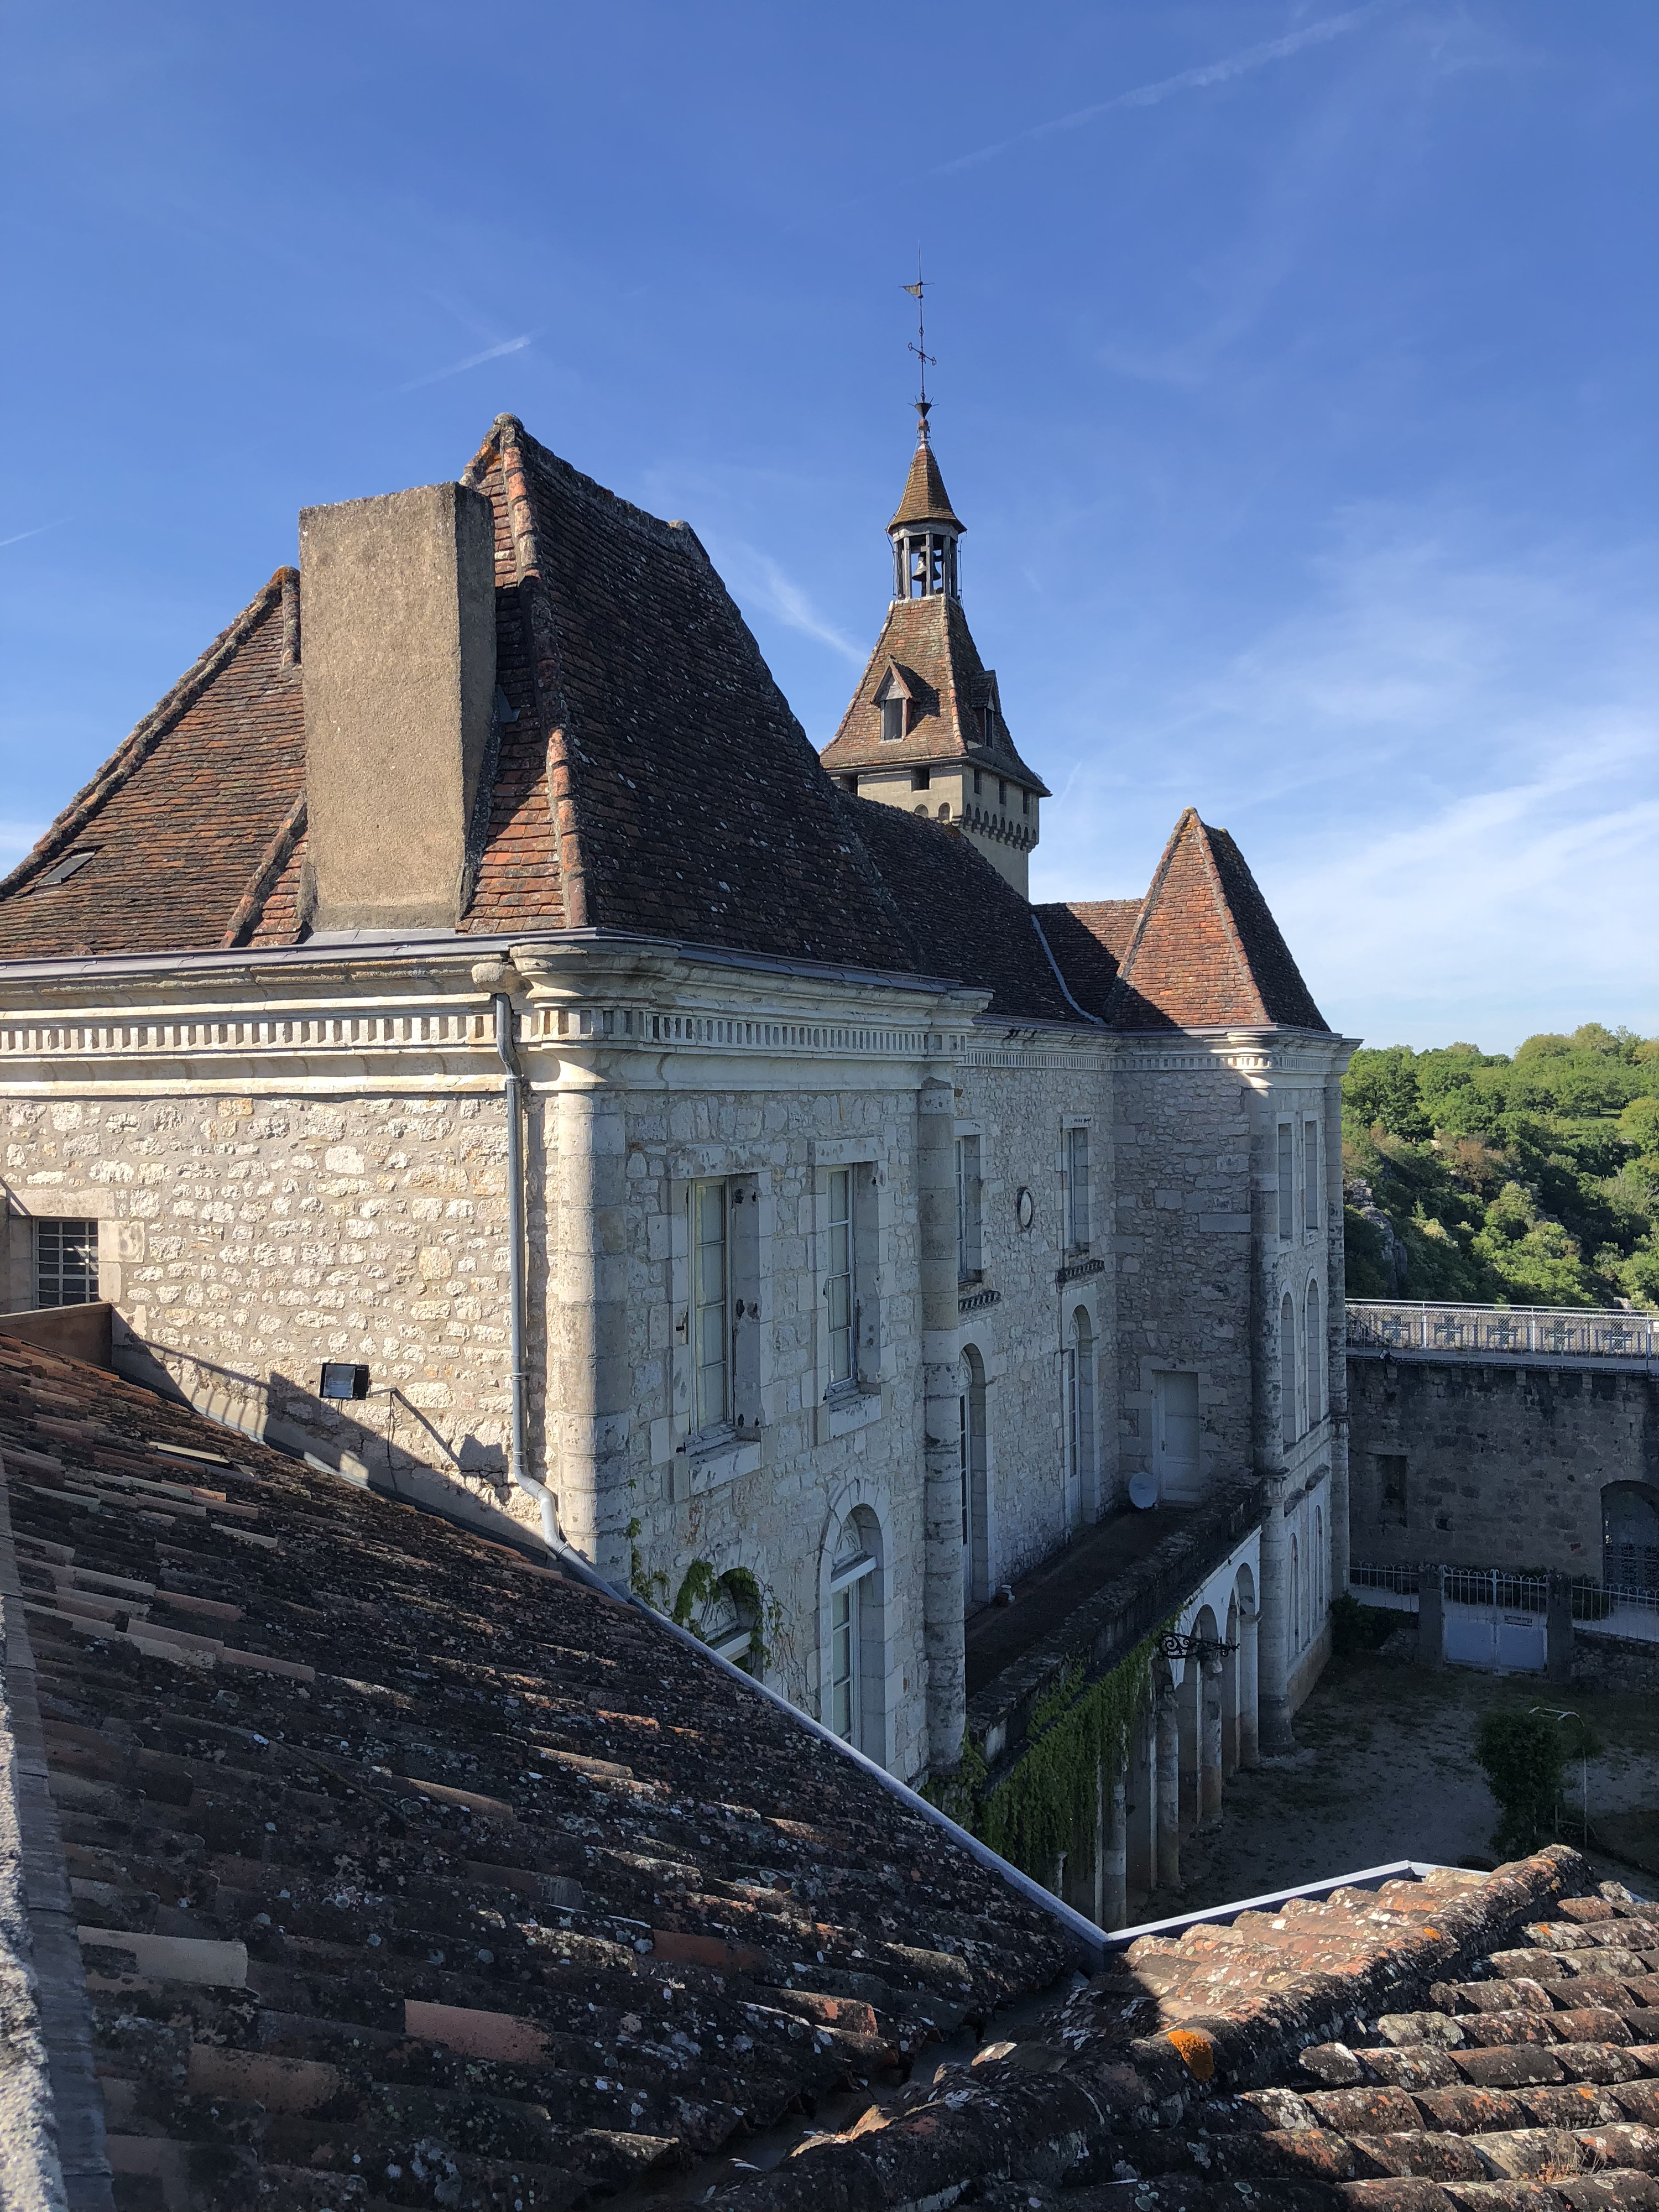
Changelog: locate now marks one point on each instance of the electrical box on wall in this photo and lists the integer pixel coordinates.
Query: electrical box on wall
(342, 1380)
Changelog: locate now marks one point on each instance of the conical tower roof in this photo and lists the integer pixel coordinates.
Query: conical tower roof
(925, 499)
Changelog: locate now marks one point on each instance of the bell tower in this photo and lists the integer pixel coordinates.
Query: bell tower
(925, 730)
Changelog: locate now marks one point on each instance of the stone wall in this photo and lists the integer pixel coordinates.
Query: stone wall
(1504, 1464)
(248, 1238)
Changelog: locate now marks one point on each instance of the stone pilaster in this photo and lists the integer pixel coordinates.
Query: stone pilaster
(588, 1309)
(1273, 1626)
(947, 1700)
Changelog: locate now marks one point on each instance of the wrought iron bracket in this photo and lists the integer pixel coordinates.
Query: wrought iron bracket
(1173, 1644)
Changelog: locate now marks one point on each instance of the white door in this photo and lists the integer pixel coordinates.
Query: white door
(1174, 1439)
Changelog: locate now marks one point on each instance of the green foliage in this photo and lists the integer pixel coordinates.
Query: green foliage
(1523, 1756)
(704, 1586)
(1356, 1628)
(1077, 1730)
(1533, 1180)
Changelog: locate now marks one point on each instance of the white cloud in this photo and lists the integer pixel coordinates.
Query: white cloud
(755, 579)
(17, 838)
(1191, 80)
(1444, 771)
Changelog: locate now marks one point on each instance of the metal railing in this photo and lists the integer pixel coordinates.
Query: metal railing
(1550, 1332)
(1611, 1608)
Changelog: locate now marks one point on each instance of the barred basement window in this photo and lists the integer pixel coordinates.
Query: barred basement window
(65, 1263)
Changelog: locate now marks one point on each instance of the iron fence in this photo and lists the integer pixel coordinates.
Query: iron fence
(1553, 1332)
(1612, 1608)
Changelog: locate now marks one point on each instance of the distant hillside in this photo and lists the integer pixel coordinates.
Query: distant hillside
(1526, 1181)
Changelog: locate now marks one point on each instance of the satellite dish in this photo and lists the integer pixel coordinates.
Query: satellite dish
(1143, 1491)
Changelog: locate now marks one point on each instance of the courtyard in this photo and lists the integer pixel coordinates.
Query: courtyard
(1384, 1769)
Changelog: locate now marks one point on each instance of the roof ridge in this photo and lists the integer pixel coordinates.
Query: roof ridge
(147, 734)
(269, 866)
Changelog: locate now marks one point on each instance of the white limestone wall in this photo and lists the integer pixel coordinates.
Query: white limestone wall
(1018, 1095)
(1183, 1148)
(250, 1235)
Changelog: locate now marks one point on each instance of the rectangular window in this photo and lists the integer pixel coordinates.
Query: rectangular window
(1077, 1190)
(711, 1305)
(1391, 1483)
(1024, 802)
(65, 1263)
(1002, 791)
(841, 1278)
(1286, 1180)
(921, 778)
(1311, 1209)
(990, 725)
(969, 1258)
(978, 782)
(892, 718)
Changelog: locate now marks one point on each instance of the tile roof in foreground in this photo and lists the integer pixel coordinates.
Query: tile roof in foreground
(405, 1872)
(1437, 2046)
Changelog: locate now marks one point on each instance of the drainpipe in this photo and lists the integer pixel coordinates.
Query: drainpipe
(501, 979)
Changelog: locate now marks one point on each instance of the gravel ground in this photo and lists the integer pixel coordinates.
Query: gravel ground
(1384, 1769)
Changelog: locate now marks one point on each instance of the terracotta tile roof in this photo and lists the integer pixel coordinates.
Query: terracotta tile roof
(1207, 952)
(406, 1871)
(1437, 2045)
(925, 499)
(961, 919)
(929, 643)
(1088, 938)
(182, 819)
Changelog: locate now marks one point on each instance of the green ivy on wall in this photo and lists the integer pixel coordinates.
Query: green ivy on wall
(1076, 1730)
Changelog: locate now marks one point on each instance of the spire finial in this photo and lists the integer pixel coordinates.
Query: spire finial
(919, 347)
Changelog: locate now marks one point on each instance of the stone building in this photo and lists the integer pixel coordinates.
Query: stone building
(467, 987)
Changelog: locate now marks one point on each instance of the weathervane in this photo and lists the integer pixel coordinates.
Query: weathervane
(919, 344)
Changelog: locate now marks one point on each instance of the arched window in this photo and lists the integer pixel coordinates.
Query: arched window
(1077, 1419)
(854, 1701)
(1315, 1358)
(1288, 1429)
(1295, 1597)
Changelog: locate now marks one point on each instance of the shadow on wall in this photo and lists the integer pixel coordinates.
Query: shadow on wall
(285, 1414)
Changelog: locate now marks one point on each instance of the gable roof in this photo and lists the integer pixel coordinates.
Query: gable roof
(1207, 952)
(925, 499)
(929, 641)
(385, 1846)
(184, 818)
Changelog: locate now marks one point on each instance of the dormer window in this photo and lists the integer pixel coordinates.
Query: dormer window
(892, 717)
(990, 723)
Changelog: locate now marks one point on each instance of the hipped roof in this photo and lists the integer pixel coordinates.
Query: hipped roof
(653, 780)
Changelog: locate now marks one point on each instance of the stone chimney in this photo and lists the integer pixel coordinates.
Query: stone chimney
(398, 631)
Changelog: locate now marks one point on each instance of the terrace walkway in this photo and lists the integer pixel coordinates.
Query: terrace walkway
(1527, 1335)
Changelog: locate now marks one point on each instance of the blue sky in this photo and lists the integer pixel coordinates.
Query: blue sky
(1296, 377)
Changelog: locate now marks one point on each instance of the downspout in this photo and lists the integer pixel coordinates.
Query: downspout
(501, 979)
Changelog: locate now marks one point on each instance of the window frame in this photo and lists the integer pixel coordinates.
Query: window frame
(1285, 1165)
(58, 1228)
(847, 1595)
(1312, 1196)
(842, 1316)
(705, 1420)
(971, 1207)
(1074, 1189)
